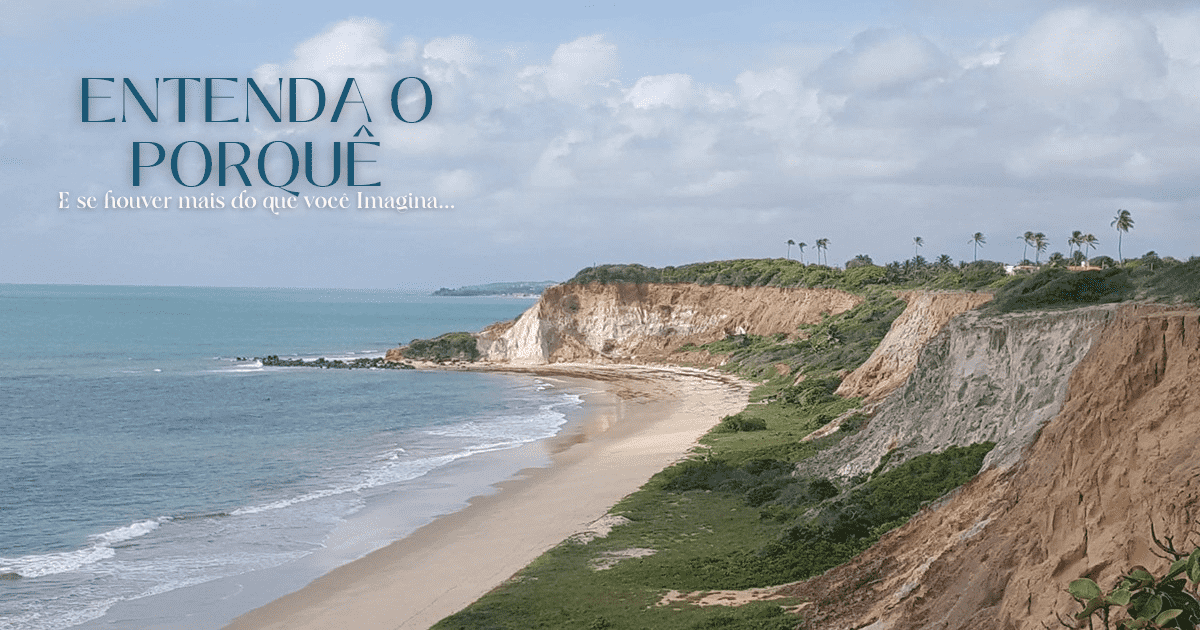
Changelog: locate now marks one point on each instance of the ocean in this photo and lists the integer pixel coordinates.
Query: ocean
(144, 453)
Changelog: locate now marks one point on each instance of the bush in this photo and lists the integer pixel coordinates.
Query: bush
(1141, 600)
(740, 422)
(1057, 287)
(458, 345)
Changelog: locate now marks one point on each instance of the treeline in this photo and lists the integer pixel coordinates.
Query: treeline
(1147, 278)
(1053, 285)
(778, 272)
(497, 288)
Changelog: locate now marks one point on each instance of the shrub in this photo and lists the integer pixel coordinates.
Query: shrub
(740, 422)
(1140, 600)
(458, 345)
(1054, 287)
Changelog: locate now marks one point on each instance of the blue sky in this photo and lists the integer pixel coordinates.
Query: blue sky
(571, 134)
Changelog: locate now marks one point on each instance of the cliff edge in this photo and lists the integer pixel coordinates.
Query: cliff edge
(1118, 456)
(640, 323)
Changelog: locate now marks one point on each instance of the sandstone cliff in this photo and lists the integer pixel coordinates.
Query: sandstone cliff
(893, 360)
(982, 378)
(623, 323)
(1118, 456)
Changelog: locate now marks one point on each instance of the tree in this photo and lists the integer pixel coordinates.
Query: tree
(917, 242)
(945, 262)
(789, 244)
(1090, 241)
(1076, 240)
(802, 246)
(978, 239)
(860, 260)
(1123, 222)
(822, 246)
(1028, 238)
(1039, 245)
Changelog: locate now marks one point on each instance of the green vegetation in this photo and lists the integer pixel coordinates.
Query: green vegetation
(450, 346)
(1140, 600)
(731, 516)
(860, 274)
(1055, 287)
(497, 288)
(840, 342)
(1147, 278)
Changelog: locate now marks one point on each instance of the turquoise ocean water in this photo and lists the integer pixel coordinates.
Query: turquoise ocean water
(139, 456)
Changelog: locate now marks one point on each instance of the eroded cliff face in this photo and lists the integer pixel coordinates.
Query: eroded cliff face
(981, 378)
(1119, 455)
(894, 359)
(623, 323)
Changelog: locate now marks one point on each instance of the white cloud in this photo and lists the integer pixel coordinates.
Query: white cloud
(348, 46)
(668, 90)
(1079, 50)
(577, 70)
(882, 59)
(718, 182)
(1048, 125)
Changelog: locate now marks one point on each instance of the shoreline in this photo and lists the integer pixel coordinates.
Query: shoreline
(643, 419)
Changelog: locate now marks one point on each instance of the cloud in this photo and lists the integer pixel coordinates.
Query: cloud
(1049, 126)
(1079, 50)
(882, 59)
(668, 90)
(577, 72)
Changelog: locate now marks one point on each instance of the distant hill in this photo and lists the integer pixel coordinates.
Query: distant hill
(498, 288)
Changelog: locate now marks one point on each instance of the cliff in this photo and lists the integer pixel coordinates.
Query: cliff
(981, 378)
(623, 323)
(894, 359)
(1117, 455)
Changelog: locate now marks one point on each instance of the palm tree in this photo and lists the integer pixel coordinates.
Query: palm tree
(945, 262)
(789, 244)
(1090, 241)
(1039, 245)
(1028, 238)
(1076, 240)
(802, 246)
(1123, 222)
(978, 239)
(822, 245)
(917, 242)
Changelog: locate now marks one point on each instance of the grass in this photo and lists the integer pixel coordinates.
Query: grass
(734, 515)
(731, 516)
(839, 343)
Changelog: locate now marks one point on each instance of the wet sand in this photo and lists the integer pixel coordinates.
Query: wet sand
(646, 418)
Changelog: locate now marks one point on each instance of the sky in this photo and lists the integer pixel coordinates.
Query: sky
(562, 135)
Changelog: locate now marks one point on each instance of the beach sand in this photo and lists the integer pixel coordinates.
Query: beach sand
(645, 419)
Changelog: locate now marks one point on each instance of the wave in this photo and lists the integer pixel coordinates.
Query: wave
(38, 565)
(497, 433)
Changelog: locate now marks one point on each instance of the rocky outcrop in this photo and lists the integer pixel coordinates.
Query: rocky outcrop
(893, 360)
(1119, 455)
(624, 323)
(982, 378)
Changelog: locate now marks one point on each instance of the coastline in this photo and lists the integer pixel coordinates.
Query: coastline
(644, 419)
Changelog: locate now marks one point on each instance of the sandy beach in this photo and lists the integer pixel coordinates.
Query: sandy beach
(644, 419)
